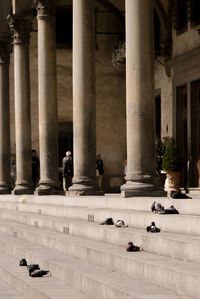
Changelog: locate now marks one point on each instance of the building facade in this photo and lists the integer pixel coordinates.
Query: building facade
(60, 90)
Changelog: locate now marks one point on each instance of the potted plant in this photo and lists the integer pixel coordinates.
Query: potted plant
(172, 163)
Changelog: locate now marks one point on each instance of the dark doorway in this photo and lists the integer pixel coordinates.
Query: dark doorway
(195, 134)
(158, 115)
(182, 128)
(64, 27)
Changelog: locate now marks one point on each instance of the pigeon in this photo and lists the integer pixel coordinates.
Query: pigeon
(33, 267)
(39, 273)
(132, 247)
(23, 262)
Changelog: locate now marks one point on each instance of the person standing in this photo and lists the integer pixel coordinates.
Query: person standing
(35, 168)
(67, 170)
(99, 171)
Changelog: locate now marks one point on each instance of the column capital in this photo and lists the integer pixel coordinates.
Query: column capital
(45, 8)
(20, 27)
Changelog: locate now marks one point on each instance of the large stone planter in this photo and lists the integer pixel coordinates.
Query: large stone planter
(174, 180)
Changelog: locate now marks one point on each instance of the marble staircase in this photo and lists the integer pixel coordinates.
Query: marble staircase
(88, 260)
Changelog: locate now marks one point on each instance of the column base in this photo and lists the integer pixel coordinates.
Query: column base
(48, 191)
(5, 188)
(84, 186)
(82, 190)
(141, 188)
(48, 187)
(23, 189)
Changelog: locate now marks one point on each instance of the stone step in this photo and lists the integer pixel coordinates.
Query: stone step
(7, 292)
(78, 247)
(184, 206)
(33, 288)
(100, 282)
(183, 224)
(177, 246)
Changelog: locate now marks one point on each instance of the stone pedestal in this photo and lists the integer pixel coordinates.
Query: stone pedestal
(141, 178)
(47, 88)
(20, 28)
(84, 99)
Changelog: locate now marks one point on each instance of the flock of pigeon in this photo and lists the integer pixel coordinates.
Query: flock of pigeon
(34, 269)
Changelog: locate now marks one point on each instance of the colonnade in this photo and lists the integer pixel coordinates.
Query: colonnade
(140, 179)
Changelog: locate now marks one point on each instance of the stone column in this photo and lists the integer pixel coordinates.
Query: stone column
(140, 178)
(48, 122)
(84, 102)
(20, 28)
(5, 179)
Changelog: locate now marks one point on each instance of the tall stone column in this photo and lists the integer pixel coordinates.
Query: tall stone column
(48, 122)
(84, 102)
(5, 178)
(140, 178)
(20, 28)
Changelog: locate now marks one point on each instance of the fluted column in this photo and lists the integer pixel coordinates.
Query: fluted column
(48, 122)
(5, 178)
(140, 178)
(20, 28)
(84, 102)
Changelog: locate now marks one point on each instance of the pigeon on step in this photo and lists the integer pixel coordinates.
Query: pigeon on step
(39, 273)
(33, 267)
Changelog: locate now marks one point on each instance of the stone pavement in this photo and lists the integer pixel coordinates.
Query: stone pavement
(7, 292)
(88, 260)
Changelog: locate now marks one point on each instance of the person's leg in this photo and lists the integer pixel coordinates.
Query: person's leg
(64, 184)
(100, 182)
(68, 181)
(34, 180)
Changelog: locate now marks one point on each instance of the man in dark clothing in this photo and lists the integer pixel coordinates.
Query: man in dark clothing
(67, 170)
(99, 171)
(35, 168)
